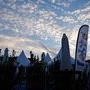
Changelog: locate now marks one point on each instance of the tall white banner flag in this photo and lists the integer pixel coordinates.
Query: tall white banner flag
(81, 48)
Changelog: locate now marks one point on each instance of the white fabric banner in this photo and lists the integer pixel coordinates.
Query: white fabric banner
(81, 48)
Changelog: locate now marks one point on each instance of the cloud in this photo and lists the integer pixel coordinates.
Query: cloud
(78, 16)
(87, 4)
(34, 22)
(25, 44)
(67, 19)
(63, 3)
(8, 2)
(82, 14)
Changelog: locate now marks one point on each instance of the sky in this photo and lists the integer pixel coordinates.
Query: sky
(38, 25)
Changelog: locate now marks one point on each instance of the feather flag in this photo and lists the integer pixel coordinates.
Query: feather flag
(81, 48)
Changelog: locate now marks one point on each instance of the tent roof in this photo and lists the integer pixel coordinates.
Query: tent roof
(48, 59)
(22, 59)
(58, 56)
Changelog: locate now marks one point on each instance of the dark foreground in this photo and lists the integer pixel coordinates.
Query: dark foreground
(40, 77)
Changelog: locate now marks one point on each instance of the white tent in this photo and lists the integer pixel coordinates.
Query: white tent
(23, 60)
(48, 59)
(5, 55)
(81, 65)
(72, 60)
(64, 64)
(58, 56)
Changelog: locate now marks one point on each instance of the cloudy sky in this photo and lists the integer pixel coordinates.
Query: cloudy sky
(38, 25)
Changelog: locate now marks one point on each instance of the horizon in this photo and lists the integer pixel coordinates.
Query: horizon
(38, 25)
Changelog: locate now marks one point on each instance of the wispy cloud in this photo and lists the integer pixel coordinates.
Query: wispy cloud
(28, 23)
